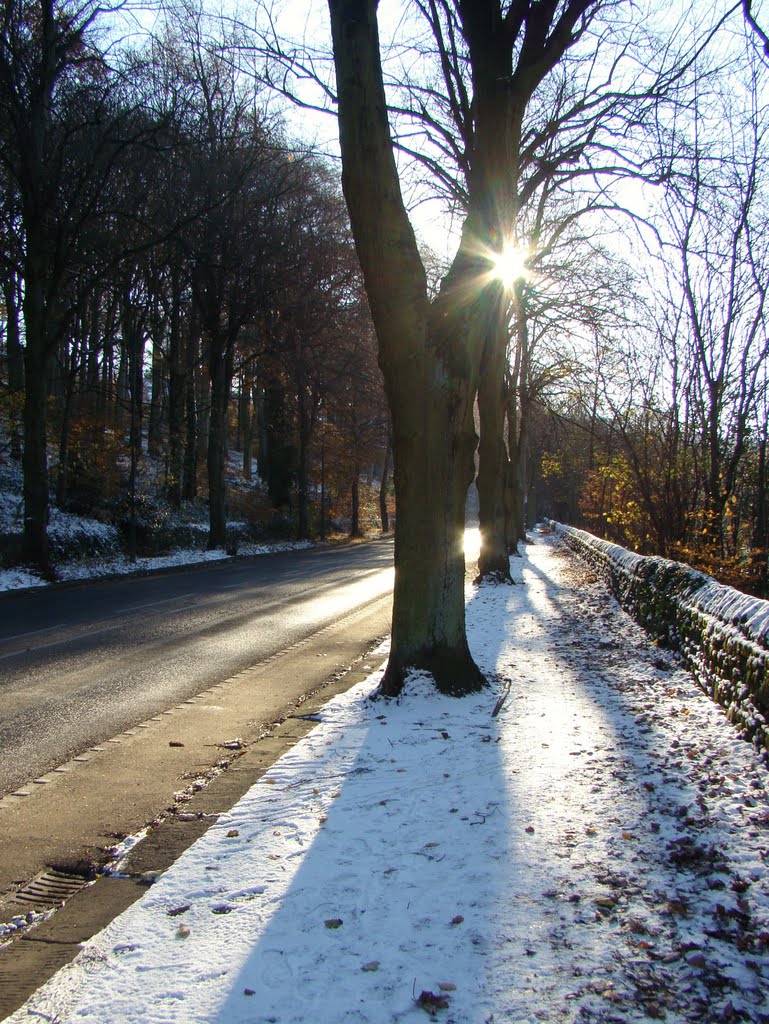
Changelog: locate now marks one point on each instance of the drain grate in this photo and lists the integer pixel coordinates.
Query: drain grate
(49, 889)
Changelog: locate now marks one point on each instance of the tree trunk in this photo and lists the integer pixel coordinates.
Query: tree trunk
(277, 453)
(157, 403)
(493, 560)
(322, 487)
(383, 513)
(761, 525)
(35, 549)
(190, 477)
(246, 425)
(177, 375)
(433, 443)
(429, 375)
(355, 506)
(302, 476)
(219, 362)
(15, 354)
(62, 478)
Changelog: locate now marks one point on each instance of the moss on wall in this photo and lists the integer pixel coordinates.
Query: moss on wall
(722, 635)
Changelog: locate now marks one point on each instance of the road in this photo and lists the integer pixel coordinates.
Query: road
(79, 665)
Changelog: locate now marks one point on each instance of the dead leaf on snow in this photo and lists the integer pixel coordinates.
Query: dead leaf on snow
(176, 911)
(431, 1001)
(334, 922)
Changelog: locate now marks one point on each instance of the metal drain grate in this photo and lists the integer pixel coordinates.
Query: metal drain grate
(50, 889)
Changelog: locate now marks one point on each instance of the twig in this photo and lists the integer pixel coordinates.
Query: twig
(501, 700)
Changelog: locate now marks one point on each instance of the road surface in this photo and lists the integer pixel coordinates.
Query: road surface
(79, 665)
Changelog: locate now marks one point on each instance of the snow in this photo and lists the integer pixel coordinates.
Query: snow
(14, 579)
(720, 632)
(597, 851)
(723, 603)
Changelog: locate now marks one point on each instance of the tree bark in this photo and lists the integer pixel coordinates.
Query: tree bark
(430, 375)
(157, 403)
(383, 512)
(221, 372)
(15, 352)
(177, 374)
(190, 475)
(355, 505)
(493, 560)
(35, 549)
(304, 431)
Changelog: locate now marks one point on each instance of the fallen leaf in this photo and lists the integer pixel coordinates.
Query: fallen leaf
(458, 919)
(677, 907)
(182, 931)
(447, 986)
(176, 911)
(431, 1002)
(372, 965)
(233, 833)
(605, 902)
(334, 922)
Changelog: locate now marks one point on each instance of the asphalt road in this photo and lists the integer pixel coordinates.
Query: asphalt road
(79, 665)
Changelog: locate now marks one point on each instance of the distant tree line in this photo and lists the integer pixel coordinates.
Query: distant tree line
(176, 280)
(656, 433)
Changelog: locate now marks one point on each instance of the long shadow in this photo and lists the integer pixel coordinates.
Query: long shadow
(547, 864)
(385, 901)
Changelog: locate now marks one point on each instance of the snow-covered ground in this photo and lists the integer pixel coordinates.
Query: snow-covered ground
(17, 579)
(99, 544)
(597, 851)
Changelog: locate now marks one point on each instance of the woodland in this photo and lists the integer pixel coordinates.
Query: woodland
(577, 323)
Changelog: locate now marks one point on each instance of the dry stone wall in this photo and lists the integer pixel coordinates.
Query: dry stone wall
(722, 634)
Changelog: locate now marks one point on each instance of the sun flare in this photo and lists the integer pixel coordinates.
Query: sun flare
(509, 265)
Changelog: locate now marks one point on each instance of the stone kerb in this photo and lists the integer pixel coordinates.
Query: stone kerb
(722, 634)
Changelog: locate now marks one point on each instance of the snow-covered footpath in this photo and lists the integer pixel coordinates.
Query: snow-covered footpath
(595, 852)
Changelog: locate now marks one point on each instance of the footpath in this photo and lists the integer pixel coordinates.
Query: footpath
(586, 840)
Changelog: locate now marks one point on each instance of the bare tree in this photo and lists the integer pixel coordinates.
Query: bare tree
(63, 131)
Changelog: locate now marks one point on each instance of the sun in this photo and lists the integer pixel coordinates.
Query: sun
(509, 265)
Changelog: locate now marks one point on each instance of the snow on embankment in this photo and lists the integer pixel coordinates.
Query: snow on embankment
(722, 634)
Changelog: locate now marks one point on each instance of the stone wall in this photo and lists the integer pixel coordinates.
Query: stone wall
(722, 634)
